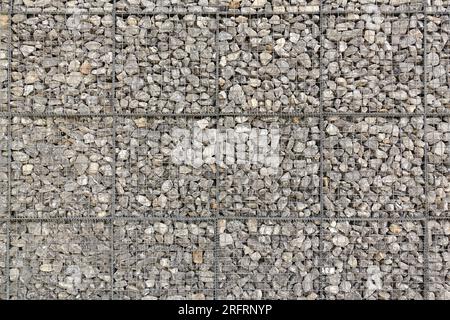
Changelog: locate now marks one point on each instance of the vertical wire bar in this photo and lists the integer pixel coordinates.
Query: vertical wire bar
(426, 271)
(321, 174)
(9, 130)
(114, 131)
(217, 210)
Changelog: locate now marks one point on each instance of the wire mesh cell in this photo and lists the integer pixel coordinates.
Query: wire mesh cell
(438, 143)
(59, 260)
(439, 260)
(151, 6)
(61, 167)
(263, 259)
(269, 63)
(269, 6)
(4, 48)
(63, 6)
(61, 63)
(373, 6)
(373, 167)
(166, 167)
(165, 64)
(438, 63)
(163, 260)
(441, 6)
(269, 166)
(373, 260)
(373, 63)
(3, 253)
(4, 172)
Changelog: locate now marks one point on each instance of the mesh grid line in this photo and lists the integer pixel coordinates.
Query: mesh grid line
(18, 231)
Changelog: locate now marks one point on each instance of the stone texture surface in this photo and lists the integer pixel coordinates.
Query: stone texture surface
(438, 140)
(3, 253)
(438, 62)
(4, 45)
(439, 260)
(163, 260)
(251, 183)
(60, 260)
(268, 260)
(68, 6)
(269, 64)
(163, 168)
(61, 63)
(211, 6)
(166, 64)
(373, 63)
(61, 167)
(4, 176)
(373, 167)
(373, 260)
(373, 6)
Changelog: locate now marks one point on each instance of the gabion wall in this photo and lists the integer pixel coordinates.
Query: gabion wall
(93, 206)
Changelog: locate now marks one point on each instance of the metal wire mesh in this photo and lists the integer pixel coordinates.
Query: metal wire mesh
(89, 239)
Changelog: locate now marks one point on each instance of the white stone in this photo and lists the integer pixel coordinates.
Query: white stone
(340, 240)
(225, 239)
(27, 169)
(143, 201)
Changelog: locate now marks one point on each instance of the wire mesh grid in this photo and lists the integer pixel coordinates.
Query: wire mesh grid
(269, 63)
(438, 142)
(269, 166)
(165, 63)
(4, 174)
(61, 63)
(373, 63)
(64, 6)
(268, 259)
(61, 168)
(164, 260)
(438, 55)
(373, 260)
(165, 167)
(4, 41)
(57, 260)
(126, 269)
(439, 260)
(373, 167)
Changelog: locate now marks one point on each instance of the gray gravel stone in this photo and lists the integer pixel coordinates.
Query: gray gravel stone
(370, 6)
(159, 175)
(438, 139)
(247, 6)
(3, 248)
(73, 6)
(55, 172)
(439, 259)
(373, 167)
(438, 86)
(272, 260)
(375, 263)
(373, 63)
(251, 184)
(164, 260)
(60, 260)
(61, 64)
(269, 64)
(165, 64)
(4, 177)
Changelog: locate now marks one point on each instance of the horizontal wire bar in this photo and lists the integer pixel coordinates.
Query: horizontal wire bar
(226, 13)
(227, 114)
(212, 219)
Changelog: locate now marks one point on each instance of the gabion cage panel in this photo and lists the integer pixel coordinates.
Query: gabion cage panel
(224, 149)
